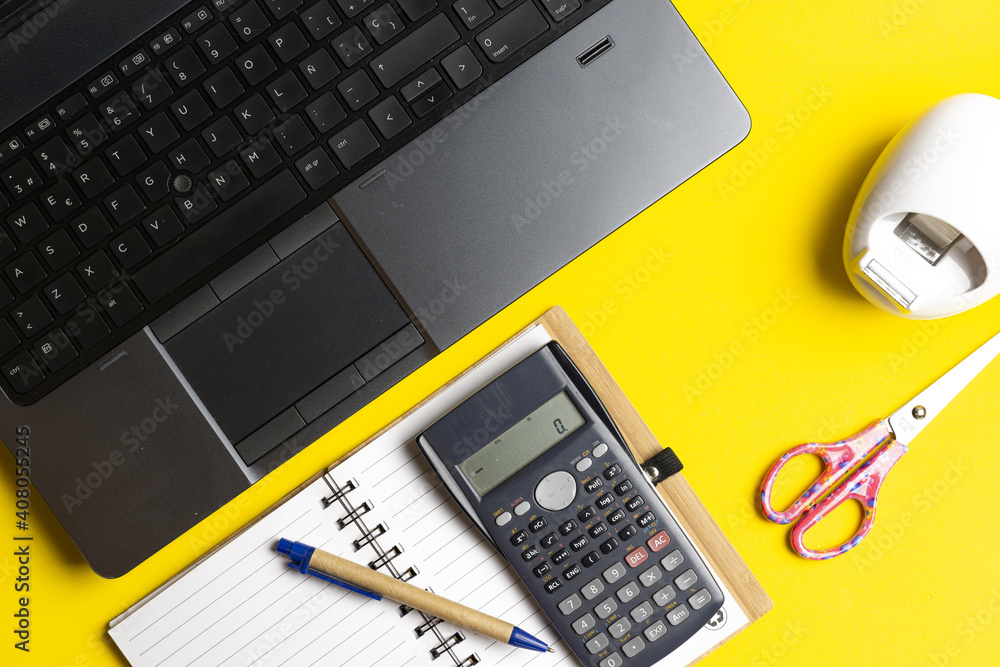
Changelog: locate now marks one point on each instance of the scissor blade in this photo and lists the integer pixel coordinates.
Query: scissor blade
(907, 422)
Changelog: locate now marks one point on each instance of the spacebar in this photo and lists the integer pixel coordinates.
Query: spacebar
(220, 235)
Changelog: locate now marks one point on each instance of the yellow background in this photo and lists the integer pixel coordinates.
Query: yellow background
(755, 267)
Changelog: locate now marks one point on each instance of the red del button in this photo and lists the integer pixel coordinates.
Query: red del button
(658, 541)
(637, 557)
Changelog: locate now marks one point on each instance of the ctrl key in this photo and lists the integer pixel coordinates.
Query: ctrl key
(23, 373)
(353, 143)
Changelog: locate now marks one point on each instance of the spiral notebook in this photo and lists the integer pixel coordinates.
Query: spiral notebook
(382, 506)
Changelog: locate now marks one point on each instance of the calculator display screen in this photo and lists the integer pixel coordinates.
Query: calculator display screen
(522, 443)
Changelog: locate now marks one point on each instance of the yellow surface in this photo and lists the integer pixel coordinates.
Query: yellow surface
(725, 314)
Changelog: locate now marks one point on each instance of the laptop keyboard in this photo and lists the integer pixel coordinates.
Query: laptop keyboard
(163, 166)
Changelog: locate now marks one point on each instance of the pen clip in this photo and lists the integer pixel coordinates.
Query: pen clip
(305, 569)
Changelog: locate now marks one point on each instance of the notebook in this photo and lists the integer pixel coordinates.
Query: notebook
(384, 507)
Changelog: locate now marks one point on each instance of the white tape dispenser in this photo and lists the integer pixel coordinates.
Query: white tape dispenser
(923, 238)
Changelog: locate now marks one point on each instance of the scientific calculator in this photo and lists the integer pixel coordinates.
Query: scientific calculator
(539, 466)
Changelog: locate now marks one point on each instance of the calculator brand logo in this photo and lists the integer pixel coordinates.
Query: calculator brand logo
(494, 422)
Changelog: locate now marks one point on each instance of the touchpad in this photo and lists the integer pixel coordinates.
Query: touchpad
(283, 335)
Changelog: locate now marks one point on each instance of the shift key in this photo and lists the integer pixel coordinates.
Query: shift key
(502, 39)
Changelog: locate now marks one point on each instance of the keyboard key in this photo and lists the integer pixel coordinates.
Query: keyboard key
(619, 627)
(223, 87)
(130, 66)
(636, 645)
(650, 577)
(664, 596)
(288, 42)
(162, 226)
(249, 21)
(319, 69)
(228, 181)
(519, 538)
(158, 132)
(431, 100)
(9, 148)
(216, 43)
(87, 328)
(560, 556)
(538, 524)
(624, 487)
(614, 573)
(632, 504)
(424, 82)
(533, 552)
(357, 90)
(560, 9)
(609, 546)
(55, 350)
(672, 560)
(189, 157)
(124, 204)
(646, 519)
(592, 485)
(125, 155)
(542, 569)
(23, 373)
(677, 615)
(90, 227)
(221, 136)
(120, 304)
(320, 19)
(119, 111)
(604, 500)
(154, 181)
(389, 117)
(472, 12)
(260, 157)
(86, 134)
(27, 223)
(590, 559)
(383, 24)
(553, 585)
(54, 157)
(165, 42)
(325, 113)
(354, 7)
(462, 67)
(655, 631)
(628, 592)
(700, 599)
(152, 89)
(196, 19)
(60, 200)
(58, 250)
(351, 46)
(606, 608)
(184, 66)
(286, 91)
(281, 8)
(570, 604)
(31, 317)
(8, 339)
(613, 660)
(25, 273)
(414, 50)
(20, 180)
(505, 36)
(416, 8)
(612, 472)
(196, 206)
(353, 143)
(197, 252)
(627, 532)
(191, 110)
(584, 624)
(256, 65)
(71, 107)
(686, 579)
(130, 248)
(637, 557)
(40, 128)
(579, 542)
(293, 135)
(65, 293)
(549, 540)
(102, 84)
(97, 272)
(597, 644)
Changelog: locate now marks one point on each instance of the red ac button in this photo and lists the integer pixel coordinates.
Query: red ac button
(658, 541)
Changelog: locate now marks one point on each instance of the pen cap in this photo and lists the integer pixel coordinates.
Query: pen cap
(296, 551)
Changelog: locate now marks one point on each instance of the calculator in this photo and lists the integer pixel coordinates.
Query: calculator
(535, 460)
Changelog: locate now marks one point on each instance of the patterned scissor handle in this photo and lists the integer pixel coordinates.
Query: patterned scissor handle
(838, 460)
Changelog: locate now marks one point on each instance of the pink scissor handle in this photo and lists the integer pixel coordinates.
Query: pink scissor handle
(862, 486)
(838, 460)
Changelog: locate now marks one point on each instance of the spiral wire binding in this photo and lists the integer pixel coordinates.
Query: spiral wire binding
(446, 645)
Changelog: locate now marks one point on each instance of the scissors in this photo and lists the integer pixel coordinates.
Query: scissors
(877, 449)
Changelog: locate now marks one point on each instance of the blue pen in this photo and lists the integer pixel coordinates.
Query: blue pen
(364, 580)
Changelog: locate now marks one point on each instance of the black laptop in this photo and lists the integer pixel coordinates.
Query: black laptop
(227, 225)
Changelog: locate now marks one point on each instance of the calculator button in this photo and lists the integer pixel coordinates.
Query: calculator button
(567, 527)
(610, 546)
(593, 485)
(531, 553)
(597, 644)
(658, 541)
(553, 585)
(522, 508)
(624, 487)
(616, 516)
(637, 557)
(556, 491)
(627, 532)
(570, 604)
(584, 464)
(650, 576)
(614, 573)
(612, 472)
(628, 592)
(604, 500)
(573, 571)
(619, 627)
(519, 538)
(632, 504)
(677, 615)
(700, 599)
(601, 450)
(590, 559)
(587, 513)
(655, 631)
(642, 612)
(598, 530)
(583, 624)
(672, 560)
(504, 519)
(664, 596)
(633, 648)
(543, 568)
(549, 540)
(613, 660)
(606, 608)
(579, 543)
(560, 556)
(686, 579)
(646, 519)
(538, 524)
(594, 588)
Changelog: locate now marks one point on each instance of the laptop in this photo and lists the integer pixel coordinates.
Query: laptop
(230, 224)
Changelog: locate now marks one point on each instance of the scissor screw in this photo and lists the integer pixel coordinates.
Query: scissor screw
(919, 412)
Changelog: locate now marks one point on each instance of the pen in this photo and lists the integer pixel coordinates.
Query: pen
(340, 571)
